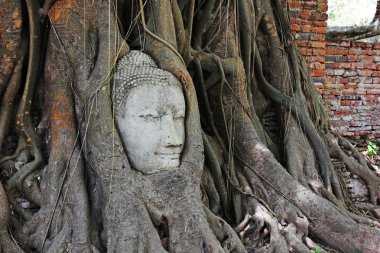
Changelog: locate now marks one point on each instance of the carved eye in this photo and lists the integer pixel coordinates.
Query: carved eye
(150, 116)
(179, 115)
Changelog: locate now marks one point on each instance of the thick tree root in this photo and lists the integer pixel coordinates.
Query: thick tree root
(164, 212)
(265, 233)
(224, 233)
(167, 195)
(6, 243)
(7, 103)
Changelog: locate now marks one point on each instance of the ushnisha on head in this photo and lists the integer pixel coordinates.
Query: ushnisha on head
(150, 113)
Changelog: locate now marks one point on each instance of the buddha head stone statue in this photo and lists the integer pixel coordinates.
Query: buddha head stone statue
(150, 113)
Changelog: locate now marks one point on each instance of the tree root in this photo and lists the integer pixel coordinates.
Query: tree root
(212, 195)
(260, 230)
(7, 103)
(356, 165)
(327, 171)
(6, 243)
(224, 233)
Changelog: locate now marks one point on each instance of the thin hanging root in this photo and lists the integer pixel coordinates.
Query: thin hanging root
(45, 9)
(243, 182)
(189, 31)
(208, 17)
(6, 243)
(208, 186)
(208, 108)
(155, 36)
(7, 103)
(179, 27)
(328, 173)
(24, 122)
(358, 166)
(216, 172)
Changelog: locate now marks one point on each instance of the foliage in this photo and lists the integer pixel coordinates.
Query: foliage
(372, 148)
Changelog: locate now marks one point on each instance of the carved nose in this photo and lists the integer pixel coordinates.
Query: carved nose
(171, 137)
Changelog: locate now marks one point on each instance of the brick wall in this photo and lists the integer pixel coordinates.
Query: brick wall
(347, 74)
(308, 20)
(352, 88)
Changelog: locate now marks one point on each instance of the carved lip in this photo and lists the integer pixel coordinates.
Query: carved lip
(168, 154)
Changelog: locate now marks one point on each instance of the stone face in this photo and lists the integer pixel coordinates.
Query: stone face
(150, 114)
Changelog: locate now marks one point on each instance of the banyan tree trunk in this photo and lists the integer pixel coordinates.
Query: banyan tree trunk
(67, 184)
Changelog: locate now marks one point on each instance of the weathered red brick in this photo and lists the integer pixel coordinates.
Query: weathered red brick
(319, 51)
(294, 5)
(361, 44)
(318, 36)
(342, 80)
(317, 73)
(371, 66)
(343, 112)
(357, 65)
(306, 51)
(320, 23)
(334, 51)
(356, 103)
(309, 5)
(323, 8)
(350, 73)
(344, 65)
(313, 29)
(365, 72)
(346, 133)
(318, 44)
(373, 92)
(353, 58)
(351, 86)
(305, 15)
(332, 43)
(302, 43)
(320, 16)
(317, 59)
(354, 51)
(367, 59)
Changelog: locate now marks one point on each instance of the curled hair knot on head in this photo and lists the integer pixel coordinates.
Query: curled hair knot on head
(137, 68)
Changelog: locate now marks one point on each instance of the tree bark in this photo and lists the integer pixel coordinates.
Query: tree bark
(240, 187)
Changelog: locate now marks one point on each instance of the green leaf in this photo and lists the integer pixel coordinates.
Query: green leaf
(372, 148)
(37, 175)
